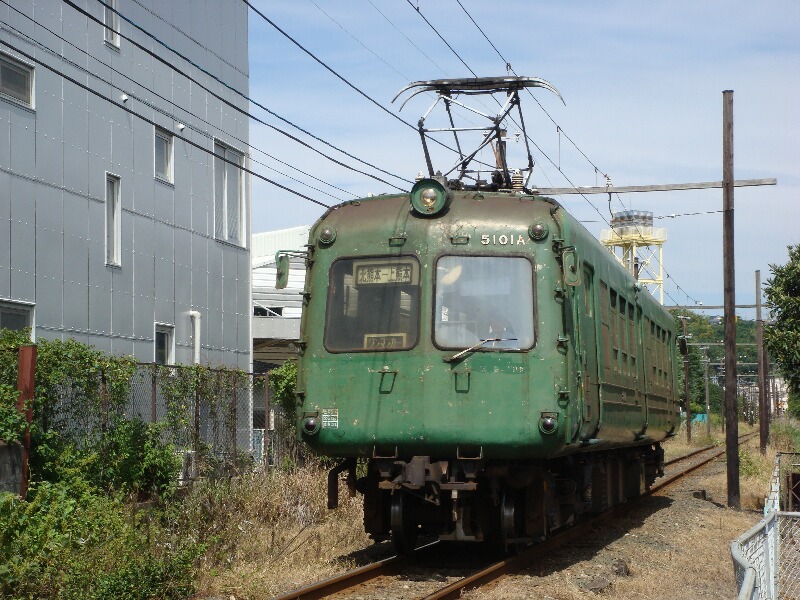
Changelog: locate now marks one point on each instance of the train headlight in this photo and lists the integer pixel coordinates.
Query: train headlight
(327, 235)
(429, 197)
(538, 231)
(548, 423)
(310, 425)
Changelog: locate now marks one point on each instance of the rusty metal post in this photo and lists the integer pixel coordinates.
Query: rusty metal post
(266, 420)
(153, 393)
(26, 375)
(729, 284)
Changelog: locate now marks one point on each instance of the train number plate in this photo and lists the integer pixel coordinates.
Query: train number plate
(330, 418)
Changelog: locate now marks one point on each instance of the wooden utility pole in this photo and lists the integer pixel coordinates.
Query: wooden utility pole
(728, 270)
(763, 406)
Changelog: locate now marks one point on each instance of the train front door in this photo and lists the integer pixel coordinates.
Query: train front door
(589, 362)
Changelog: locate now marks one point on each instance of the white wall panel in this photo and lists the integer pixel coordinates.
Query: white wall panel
(49, 239)
(76, 140)
(143, 179)
(22, 142)
(23, 239)
(100, 286)
(164, 202)
(5, 233)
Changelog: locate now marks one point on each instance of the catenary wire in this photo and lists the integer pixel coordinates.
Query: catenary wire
(549, 116)
(338, 75)
(410, 41)
(154, 124)
(419, 12)
(508, 64)
(232, 105)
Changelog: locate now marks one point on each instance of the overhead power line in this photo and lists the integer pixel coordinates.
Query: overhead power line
(441, 37)
(343, 79)
(154, 124)
(16, 32)
(559, 129)
(558, 167)
(231, 104)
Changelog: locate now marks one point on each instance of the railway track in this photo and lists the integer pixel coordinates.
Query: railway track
(379, 577)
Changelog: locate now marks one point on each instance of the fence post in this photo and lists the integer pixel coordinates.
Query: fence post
(233, 419)
(265, 440)
(26, 371)
(103, 416)
(196, 427)
(153, 381)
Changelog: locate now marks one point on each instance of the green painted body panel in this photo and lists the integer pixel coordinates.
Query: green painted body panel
(490, 402)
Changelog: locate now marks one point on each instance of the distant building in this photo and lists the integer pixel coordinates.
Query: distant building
(276, 313)
(114, 229)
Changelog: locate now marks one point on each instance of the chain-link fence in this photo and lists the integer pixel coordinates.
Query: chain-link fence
(766, 559)
(208, 412)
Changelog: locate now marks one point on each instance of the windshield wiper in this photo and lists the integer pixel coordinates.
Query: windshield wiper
(455, 357)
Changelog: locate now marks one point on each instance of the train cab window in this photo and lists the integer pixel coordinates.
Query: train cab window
(483, 298)
(373, 304)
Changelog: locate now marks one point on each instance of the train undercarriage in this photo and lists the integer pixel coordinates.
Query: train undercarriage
(508, 504)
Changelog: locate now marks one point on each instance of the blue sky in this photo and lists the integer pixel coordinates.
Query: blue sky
(643, 88)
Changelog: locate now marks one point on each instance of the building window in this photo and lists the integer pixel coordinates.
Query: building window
(16, 81)
(111, 22)
(164, 344)
(14, 316)
(163, 155)
(112, 220)
(228, 194)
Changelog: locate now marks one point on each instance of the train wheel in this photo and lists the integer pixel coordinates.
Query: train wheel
(512, 524)
(404, 522)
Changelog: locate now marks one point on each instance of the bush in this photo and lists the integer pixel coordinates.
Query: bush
(136, 459)
(66, 540)
(785, 435)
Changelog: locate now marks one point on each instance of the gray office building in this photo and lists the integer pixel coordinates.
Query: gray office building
(124, 211)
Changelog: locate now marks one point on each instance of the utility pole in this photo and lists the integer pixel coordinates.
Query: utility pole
(686, 384)
(708, 404)
(763, 407)
(731, 416)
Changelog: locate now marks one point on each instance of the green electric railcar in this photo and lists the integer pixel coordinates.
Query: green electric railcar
(495, 367)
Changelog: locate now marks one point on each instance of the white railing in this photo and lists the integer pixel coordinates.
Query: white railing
(766, 559)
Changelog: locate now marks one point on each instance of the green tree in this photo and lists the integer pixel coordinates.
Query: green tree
(783, 334)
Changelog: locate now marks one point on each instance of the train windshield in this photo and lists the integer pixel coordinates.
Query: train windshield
(481, 298)
(373, 304)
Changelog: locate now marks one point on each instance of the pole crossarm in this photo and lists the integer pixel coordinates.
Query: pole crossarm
(666, 187)
(704, 307)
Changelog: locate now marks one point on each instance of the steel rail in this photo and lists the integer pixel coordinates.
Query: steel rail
(352, 578)
(510, 565)
(393, 564)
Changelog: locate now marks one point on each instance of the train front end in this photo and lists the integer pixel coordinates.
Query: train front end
(433, 346)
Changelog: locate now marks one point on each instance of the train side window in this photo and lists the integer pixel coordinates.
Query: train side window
(614, 329)
(623, 333)
(604, 328)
